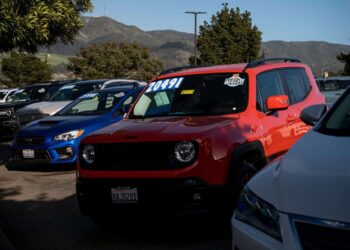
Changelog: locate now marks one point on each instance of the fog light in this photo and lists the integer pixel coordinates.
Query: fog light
(65, 153)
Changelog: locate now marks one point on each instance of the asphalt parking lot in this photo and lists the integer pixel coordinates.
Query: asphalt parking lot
(38, 210)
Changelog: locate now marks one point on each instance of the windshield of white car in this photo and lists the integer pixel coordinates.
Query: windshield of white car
(337, 121)
(71, 92)
(95, 103)
(198, 95)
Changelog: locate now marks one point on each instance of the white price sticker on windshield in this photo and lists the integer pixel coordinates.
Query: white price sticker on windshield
(19, 91)
(67, 87)
(234, 81)
(120, 94)
(165, 84)
(42, 90)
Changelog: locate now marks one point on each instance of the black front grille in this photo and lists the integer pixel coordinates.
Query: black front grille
(134, 156)
(30, 141)
(322, 238)
(39, 154)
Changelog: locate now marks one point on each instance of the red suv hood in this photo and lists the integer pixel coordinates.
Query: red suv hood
(160, 128)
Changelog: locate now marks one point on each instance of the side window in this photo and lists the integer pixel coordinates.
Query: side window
(296, 87)
(270, 84)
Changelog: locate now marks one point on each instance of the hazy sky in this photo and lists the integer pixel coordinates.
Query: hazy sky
(288, 20)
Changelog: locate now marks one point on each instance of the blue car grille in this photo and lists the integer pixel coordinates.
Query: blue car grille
(30, 141)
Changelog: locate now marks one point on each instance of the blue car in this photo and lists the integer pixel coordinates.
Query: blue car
(56, 139)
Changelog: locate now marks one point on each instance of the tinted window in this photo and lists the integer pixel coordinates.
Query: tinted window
(338, 119)
(72, 91)
(28, 94)
(270, 84)
(2, 95)
(51, 91)
(93, 104)
(297, 90)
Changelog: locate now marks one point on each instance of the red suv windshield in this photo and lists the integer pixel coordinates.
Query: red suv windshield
(210, 94)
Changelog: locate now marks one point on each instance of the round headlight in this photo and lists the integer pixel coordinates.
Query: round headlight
(88, 153)
(185, 151)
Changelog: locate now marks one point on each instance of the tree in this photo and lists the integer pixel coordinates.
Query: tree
(230, 37)
(22, 68)
(114, 60)
(28, 24)
(345, 58)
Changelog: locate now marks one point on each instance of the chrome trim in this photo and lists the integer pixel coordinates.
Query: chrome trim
(293, 218)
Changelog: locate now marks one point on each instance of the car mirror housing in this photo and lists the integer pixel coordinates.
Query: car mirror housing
(277, 102)
(312, 114)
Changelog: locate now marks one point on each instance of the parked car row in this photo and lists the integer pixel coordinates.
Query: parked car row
(194, 139)
(39, 100)
(333, 87)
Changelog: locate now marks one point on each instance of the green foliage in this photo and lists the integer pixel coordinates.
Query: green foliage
(345, 58)
(28, 24)
(114, 60)
(230, 37)
(23, 68)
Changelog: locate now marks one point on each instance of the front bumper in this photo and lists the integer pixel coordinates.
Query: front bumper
(245, 236)
(47, 154)
(170, 196)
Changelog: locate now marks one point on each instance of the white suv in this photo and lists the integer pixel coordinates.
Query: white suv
(301, 201)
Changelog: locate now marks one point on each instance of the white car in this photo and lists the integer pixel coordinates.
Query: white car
(5, 93)
(301, 201)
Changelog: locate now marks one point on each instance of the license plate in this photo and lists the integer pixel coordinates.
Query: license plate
(124, 195)
(28, 153)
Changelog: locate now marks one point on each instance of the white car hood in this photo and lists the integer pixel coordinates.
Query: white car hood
(48, 108)
(312, 180)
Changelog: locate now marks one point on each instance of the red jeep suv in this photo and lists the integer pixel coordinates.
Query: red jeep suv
(195, 137)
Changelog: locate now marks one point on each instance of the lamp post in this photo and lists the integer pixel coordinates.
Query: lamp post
(195, 14)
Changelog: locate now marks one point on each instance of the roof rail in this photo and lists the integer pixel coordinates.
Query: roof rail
(176, 69)
(256, 63)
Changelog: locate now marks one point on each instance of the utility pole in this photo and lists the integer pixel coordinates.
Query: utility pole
(195, 14)
(104, 8)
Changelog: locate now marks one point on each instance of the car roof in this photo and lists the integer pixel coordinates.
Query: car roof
(98, 81)
(239, 67)
(114, 89)
(36, 85)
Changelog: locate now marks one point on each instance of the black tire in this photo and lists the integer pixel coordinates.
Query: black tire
(237, 180)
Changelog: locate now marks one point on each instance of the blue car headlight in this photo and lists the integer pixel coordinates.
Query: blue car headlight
(258, 213)
(69, 135)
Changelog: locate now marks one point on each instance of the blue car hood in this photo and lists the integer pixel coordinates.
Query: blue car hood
(55, 125)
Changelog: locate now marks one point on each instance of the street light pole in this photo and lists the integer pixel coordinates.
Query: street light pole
(195, 14)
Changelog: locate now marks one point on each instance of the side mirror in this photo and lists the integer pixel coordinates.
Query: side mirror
(277, 102)
(312, 114)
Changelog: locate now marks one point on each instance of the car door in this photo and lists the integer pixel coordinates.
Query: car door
(273, 125)
(298, 87)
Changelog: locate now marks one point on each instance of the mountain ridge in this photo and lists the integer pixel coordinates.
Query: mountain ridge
(174, 48)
